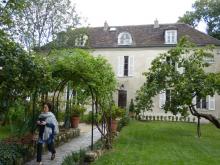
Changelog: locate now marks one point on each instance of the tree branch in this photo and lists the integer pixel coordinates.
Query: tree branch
(209, 117)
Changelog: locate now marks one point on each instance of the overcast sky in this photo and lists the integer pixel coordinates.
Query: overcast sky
(131, 12)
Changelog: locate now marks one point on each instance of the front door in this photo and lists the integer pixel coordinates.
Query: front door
(122, 98)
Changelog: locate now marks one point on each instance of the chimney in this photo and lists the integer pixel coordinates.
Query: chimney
(156, 24)
(106, 26)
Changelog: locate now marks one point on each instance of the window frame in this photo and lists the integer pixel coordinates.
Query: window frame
(170, 37)
(207, 100)
(124, 71)
(81, 40)
(122, 40)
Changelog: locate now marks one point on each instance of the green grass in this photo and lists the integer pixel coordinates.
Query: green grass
(4, 132)
(164, 143)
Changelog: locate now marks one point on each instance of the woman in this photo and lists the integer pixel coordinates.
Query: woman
(48, 128)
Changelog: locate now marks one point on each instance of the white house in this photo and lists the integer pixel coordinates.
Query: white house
(130, 50)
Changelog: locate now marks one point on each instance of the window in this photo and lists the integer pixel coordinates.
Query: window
(164, 97)
(206, 103)
(81, 40)
(125, 66)
(124, 38)
(170, 36)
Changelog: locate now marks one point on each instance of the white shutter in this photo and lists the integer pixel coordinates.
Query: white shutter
(120, 66)
(211, 102)
(162, 99)
(194, 101)
(131, 66)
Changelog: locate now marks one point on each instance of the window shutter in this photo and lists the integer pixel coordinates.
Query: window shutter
(162, 99)
(131, 66)
(120, 66)
(211, 102)
(194, 101)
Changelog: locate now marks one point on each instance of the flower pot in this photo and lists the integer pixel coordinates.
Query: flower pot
(114, 125)
(75, 121)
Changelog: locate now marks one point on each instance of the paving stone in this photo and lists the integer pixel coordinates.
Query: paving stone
(80, 142)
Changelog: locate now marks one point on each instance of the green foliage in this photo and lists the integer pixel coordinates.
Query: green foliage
(124, 121)
(8, 9)
(207, 11)
(194, 81)
(75, 158)
(92, 74)
(77, 110)
(116, 112)
(60, 116)
(55, 16)
(87, 118)
(5, 132)
(22, 74)
(10, 152)
(69, 38)
(131, 106)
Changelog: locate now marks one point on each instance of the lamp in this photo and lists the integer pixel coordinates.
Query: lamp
(122, 87)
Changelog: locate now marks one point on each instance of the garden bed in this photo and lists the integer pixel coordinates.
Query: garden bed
(28, 143)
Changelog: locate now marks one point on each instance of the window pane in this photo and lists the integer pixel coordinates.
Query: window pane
(198, 102)
(125, 65)
(204, 103)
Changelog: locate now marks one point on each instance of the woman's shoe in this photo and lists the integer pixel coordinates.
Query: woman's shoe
(40, 163)
(53, 156)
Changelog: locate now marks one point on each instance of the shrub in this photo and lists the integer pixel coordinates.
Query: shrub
(9, 153)
(132, 111)
(87, 118)
(123, 122)
(61, 116)
(76, 158)
(77, 110)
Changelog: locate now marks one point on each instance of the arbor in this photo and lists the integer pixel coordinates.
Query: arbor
(181, 71)
(207, 11)
(40, 20)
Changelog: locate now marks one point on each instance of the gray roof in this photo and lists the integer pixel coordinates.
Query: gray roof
(146, 36)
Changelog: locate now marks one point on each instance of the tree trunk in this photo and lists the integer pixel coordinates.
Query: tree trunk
(209, 117)
(198, 127)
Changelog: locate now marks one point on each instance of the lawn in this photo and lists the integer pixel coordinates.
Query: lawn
(164, 143)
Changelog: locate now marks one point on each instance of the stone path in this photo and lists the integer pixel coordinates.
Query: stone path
(81, 142)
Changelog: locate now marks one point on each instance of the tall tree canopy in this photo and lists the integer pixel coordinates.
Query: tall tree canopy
(181, 71)
(40, 20)
(207, 11)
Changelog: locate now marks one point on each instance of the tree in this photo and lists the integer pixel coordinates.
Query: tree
(207, 11)
(7, 9)
(186, 85)
(40, 20)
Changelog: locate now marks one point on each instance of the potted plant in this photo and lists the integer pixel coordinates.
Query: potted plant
(76, 111)
(116, 112)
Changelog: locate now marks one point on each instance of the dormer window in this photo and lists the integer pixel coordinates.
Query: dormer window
(124, 38)
(81, 40)
(170, 36)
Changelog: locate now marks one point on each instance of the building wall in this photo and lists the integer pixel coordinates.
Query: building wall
(142, 62)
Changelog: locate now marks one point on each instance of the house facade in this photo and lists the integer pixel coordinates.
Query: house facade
(131, 49)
